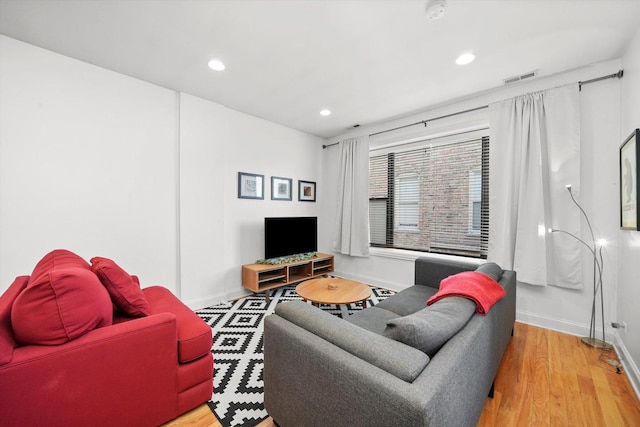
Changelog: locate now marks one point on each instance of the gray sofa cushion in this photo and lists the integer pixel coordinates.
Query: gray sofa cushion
(430, 328)
(491, 269)
(408, 301)
(372, 319)
(393, 357)
(429, 271)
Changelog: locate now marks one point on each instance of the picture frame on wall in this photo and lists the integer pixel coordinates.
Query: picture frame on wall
(281, 188)
(250, 186)
(629, 182)
(306, 191)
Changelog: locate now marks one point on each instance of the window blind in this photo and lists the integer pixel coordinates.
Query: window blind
(431, 198)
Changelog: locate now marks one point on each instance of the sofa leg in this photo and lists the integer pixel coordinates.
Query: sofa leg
(493, 389)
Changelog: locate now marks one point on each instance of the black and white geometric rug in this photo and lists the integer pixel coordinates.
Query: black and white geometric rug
(238, 356)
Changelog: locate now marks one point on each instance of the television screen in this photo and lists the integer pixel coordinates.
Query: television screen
(286, 236)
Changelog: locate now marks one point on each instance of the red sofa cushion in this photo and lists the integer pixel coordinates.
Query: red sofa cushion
(56, 259)
(60, 306)
(194, 336)
(7, 343)
(124, 291)
(119, 375)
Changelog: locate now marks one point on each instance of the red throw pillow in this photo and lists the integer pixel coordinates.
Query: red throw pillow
(60, 306)
(125, 293)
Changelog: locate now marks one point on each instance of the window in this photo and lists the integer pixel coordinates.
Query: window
(378, 222)
(475, 201)
(407, 203)
(431, 196)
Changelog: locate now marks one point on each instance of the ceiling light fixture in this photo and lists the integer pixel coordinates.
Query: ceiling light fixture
(216, 64)
(435, 9)
(465, 58)
(325, 112)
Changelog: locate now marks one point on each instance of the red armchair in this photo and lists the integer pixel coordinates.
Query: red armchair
(140, 371)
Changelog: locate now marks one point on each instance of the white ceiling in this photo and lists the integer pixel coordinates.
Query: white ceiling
(366, 61)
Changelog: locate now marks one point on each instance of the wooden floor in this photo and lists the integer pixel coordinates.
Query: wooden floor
(546, 379)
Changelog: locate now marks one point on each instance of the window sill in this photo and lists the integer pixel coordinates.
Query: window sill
(407, 255)
(410, 230)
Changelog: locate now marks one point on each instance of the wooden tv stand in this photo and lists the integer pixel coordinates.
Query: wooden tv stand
(264, 277)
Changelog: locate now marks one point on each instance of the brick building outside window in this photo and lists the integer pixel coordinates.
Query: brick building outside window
(433, 198)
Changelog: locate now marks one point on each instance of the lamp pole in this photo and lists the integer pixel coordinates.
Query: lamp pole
(598, 265)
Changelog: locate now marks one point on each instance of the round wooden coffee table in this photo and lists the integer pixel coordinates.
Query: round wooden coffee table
(334, 290)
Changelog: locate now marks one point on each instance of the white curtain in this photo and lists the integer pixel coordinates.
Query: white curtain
(534, 155)
(351, 232)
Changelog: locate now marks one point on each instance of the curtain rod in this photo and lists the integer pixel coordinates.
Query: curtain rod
(619, 75)
(430, 120)
(418, 123)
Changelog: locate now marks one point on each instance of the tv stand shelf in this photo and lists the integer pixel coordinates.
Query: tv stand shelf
(264, 277)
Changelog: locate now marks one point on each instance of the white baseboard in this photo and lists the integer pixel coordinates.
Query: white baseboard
(630, 367)
(560, 325)
(371, 281)
(209, 300)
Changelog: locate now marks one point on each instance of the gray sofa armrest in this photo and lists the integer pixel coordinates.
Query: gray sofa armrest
(464, 369)
(391, 356)
(431, 271)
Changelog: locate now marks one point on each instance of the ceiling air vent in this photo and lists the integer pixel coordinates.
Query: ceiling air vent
(525, 76)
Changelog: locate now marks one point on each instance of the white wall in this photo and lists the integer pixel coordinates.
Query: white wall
(104, 164)
(265, 148)
(87, 163)
(629, 265)
(203, 140)
(550, 307)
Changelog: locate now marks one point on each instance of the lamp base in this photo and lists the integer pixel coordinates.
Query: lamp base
(594, 342)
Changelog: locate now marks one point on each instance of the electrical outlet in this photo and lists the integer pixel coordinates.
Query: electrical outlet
(620, 325)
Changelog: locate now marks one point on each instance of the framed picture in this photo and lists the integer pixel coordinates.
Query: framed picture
(281, 188)
(629, 182)
(306, 191)
(250, 186)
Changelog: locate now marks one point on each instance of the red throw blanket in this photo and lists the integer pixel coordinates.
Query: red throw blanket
(473, 285)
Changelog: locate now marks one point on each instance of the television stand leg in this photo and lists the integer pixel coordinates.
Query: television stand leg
(267, 295)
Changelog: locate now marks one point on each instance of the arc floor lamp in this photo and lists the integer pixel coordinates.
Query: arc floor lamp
(595, 247)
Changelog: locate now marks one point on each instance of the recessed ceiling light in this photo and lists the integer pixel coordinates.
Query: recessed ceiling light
(465, 58)
(216, 64)
(325, 112)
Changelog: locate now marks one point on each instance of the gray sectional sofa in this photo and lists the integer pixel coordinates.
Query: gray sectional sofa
(320, 370)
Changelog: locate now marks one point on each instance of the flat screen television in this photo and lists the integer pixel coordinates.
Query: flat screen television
(285, 236)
